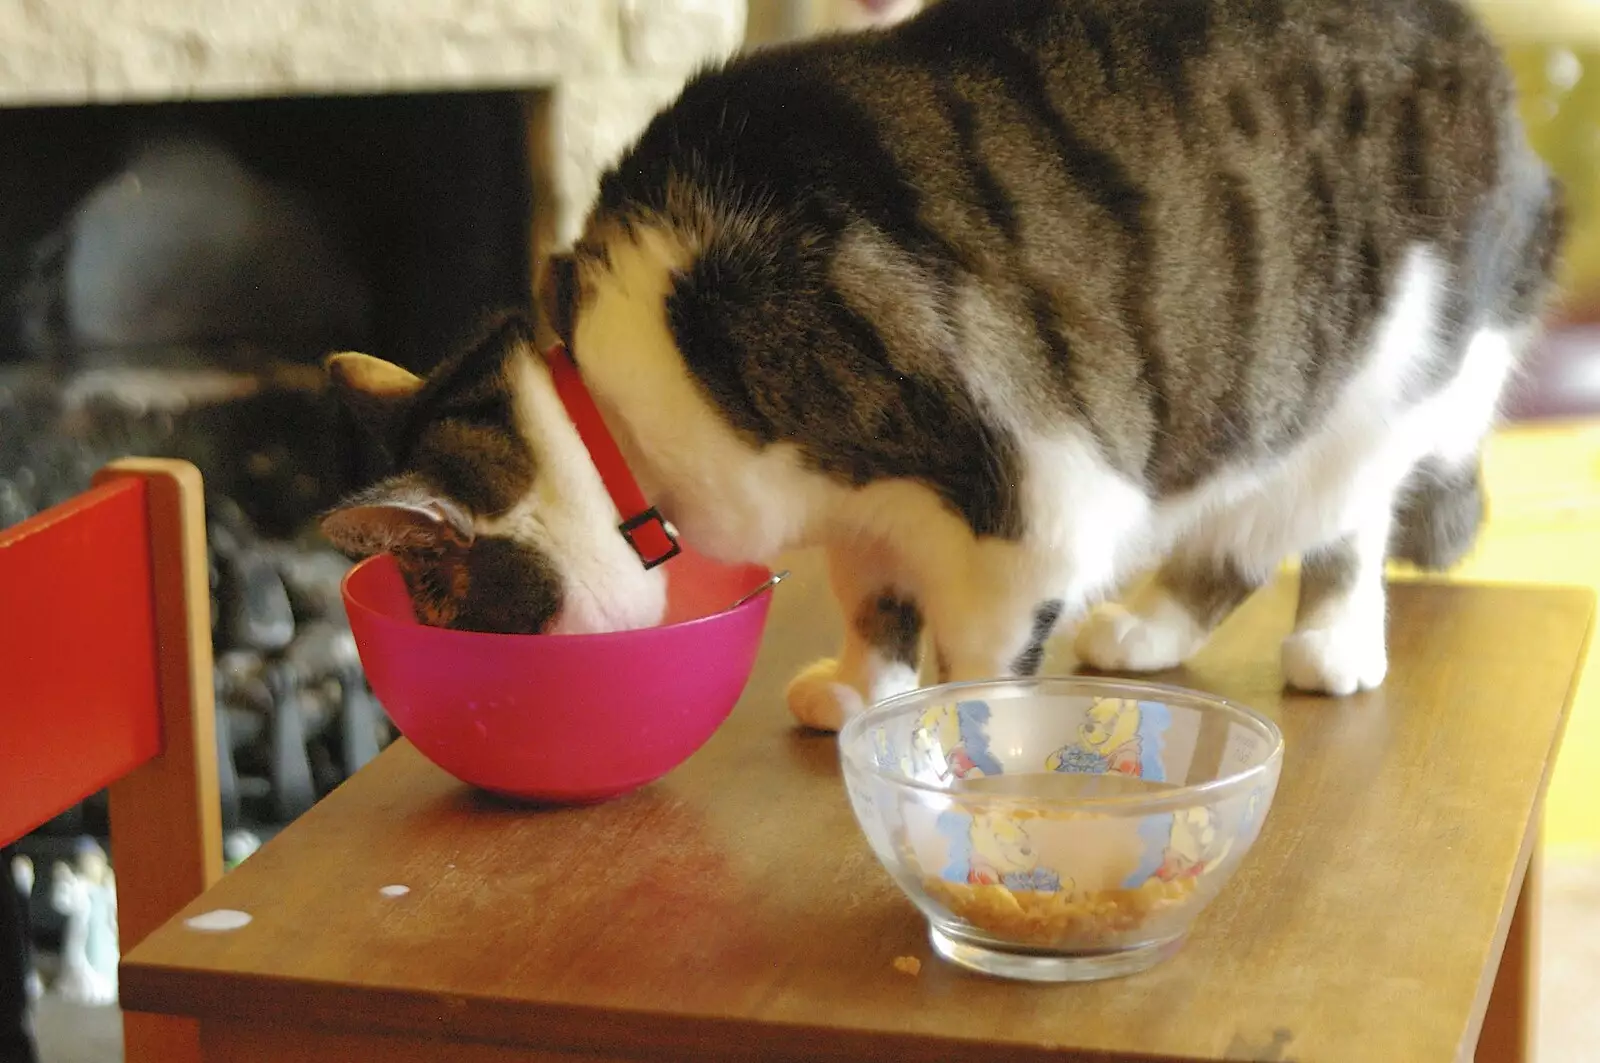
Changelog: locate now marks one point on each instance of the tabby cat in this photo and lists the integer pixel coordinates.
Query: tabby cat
(1002, 306)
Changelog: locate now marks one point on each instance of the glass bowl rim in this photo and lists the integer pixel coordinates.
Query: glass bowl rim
(1185, 796)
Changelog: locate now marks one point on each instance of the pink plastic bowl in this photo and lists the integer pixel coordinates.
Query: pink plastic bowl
(566, 719)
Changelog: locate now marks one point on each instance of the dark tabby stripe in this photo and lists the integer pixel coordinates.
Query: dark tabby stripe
(461, 432)
(1266, 15)
(1412, 162)
(1315, 92)
(1045, 617)
(962, 115)
(1176, 33)
(1446, 20)
(1097, 172)
(882, 191)
(1243, 114)
(1320, 188)
(1357, 113)
(1097, 31)
(1049, 329)
(1242, 231)
(1371, 271)
(1109, 186)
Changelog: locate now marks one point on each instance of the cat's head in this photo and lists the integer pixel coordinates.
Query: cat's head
(496, 515)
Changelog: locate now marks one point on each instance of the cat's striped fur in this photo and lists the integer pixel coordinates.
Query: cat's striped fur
(1010, 301)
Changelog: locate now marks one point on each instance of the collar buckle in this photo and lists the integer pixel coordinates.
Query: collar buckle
(658, 544)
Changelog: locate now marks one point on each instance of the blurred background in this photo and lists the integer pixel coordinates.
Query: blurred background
(198, 199)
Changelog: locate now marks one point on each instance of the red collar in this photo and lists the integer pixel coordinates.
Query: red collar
(652, 538)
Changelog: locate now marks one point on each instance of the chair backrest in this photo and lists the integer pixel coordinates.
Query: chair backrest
(105, 680)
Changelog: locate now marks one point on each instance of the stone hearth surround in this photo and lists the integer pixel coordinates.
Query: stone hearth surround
(595, 70)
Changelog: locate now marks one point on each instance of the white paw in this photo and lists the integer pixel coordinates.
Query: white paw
(1335, 660)
(1115, 639)
(819, 700)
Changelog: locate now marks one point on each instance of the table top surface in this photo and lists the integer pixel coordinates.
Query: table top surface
(734, 911)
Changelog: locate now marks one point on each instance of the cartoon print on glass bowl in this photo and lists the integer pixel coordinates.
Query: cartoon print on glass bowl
(983, 849)
(995, 849)
(952, 742)
(1117, 736)
(1098, 736)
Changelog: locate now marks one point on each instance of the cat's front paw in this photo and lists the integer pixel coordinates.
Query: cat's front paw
(819, 700)
(1335, 660)
(1116, 639)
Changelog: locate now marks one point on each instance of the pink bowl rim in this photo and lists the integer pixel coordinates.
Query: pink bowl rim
(351, 602)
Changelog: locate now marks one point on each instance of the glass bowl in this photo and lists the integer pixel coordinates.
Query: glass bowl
(1060, 830)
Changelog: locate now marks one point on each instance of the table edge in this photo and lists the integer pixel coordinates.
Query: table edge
(566, 1028)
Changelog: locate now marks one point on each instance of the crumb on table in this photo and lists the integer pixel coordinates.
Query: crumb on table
(908, 965)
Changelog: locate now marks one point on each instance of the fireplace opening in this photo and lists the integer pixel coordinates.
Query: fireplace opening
(171, 276)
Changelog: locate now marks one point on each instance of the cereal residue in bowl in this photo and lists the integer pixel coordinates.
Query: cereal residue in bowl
(1056, 917)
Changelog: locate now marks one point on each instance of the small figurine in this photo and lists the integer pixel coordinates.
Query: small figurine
(237, 847)
(87, 896)
(22, 876)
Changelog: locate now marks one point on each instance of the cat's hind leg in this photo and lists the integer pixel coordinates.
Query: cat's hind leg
(1440, 514)
(1429, 514)
(1339, 645)
(1168, 619)
(882, 643)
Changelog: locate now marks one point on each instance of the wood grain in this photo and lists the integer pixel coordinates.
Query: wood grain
(166, 831)
(734, 912)
(278, 1042)
(1510, 1023)
(166, 820)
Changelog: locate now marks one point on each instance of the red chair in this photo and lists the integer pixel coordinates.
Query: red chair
(105, 665)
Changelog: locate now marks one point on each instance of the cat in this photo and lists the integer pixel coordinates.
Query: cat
(1003, 306)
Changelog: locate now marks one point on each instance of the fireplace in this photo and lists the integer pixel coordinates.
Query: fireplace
(199, 201)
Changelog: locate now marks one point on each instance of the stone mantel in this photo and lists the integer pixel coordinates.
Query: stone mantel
(597, 68)
(120, 51)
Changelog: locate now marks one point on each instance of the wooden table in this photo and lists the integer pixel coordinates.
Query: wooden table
(733, 910)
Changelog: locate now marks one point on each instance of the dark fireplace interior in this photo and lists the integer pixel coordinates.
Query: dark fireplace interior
(170, 278)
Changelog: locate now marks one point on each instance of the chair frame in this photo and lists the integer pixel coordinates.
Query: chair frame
(160, 755)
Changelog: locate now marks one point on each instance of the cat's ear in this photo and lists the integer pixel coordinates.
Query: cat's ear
(397, 516)
(558, 295)
(377, 392)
